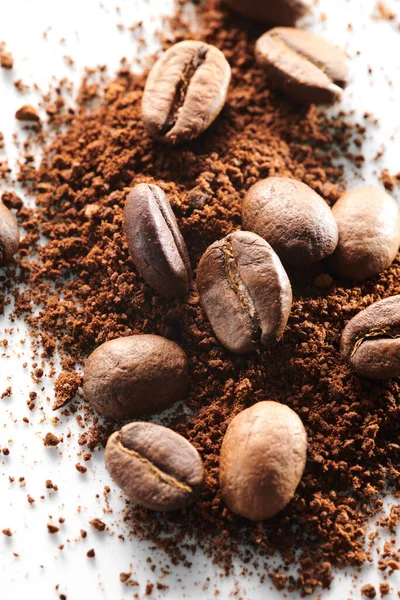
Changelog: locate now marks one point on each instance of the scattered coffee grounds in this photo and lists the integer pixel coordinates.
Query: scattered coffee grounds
(89, 292)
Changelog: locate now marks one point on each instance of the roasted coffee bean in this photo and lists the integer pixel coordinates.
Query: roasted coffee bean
(244, 291)
(136, 375)
(369, 233)
(156, 467)
(9, 235)
(371, 340)
(185, 91)
(277, 12)
(263, 456)
(155, 243)
(291, 217)
(302, 65)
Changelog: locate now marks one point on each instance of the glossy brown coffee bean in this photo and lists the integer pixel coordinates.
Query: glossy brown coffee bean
(302, 65)
(155, 243)
(185, 91)
(291, 217)
(137, 375)
(263, 456)
(371, 340)
(9, 235)
(156, 467)
(369, 233)
(277, 12)
(244, 291)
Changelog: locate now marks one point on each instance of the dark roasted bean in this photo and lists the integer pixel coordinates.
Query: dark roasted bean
(371, 340)
(277, 12)
(291, 217)
(137, 375)
(156, 467)
(245, 291)
(9, 235)
(369, 233)
(263, 456)
(185, 91)
(155, 243)
(302, 65)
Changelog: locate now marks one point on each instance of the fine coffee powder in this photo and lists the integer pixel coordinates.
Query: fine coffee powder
(90, 292)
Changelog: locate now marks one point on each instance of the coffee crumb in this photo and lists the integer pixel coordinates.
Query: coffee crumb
(52, 528)
(7, 532)
(91, 553)
(51, 440)
(50, 485)
(123, 577)
(384, 589)
(98, 524)
(81, 468)
(6, 60)
(27, 113)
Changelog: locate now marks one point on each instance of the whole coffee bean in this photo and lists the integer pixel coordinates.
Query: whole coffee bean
(185, 91)
(263, 456)
(371, 340)
(369, 233)
(155, 243)
(293, 218)
(302, 65)
(156, 467)
(9, 235)
(244, 291)
(278, 12)
(136, 375)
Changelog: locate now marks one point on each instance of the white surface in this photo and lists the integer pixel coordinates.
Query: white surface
(92, 37)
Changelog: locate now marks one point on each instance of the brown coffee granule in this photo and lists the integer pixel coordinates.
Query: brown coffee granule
(5, 451)
(91, 553)
(98, 524)
(81, 468)
(6, 60)
(52, 528)
(7, 532)
(27, 113)
(124, 577)
(149, 589)
(83, 533)
(50, 485)
(388, 180)
(51, 440)
(7, 393)
(66, 387)
(384, 589)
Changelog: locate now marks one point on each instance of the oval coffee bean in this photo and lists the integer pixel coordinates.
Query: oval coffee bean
(369, 233)
(371, 340)
(291, 217)
(278, 12)
(244, 291)
(156, 467)
(136, 375)
(155, 243)
(9, 235)
(302, 65)
(185, 91)
(263, 456)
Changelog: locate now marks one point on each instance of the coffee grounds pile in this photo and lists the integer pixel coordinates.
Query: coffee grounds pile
(88, 292)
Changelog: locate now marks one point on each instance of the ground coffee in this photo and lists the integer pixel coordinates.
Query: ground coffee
(81, 187)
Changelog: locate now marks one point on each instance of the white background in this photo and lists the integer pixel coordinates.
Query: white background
(91, 38)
